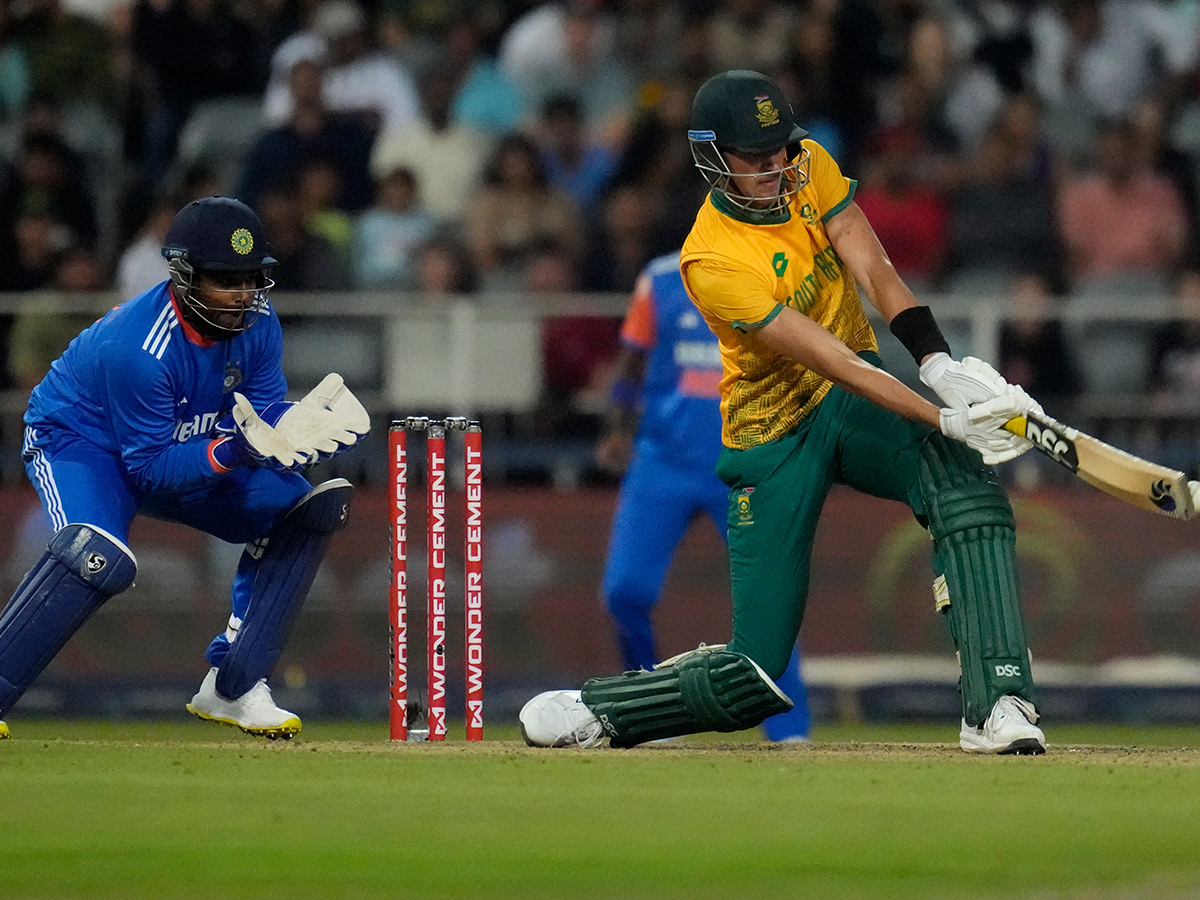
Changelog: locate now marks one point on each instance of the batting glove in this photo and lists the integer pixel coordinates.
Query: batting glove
(981, 427)
(959, 384)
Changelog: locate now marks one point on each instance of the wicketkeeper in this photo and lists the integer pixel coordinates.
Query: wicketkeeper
(172, 406)
(773, 263)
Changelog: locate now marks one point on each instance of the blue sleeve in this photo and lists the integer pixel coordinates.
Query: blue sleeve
(141, 410)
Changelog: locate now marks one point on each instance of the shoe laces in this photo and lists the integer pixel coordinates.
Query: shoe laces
(585, 734)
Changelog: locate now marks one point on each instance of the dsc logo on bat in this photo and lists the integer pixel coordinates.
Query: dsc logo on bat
(1057, 446)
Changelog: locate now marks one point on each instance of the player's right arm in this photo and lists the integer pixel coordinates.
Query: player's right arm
(791, 334)
(141, 408)
(796, 336)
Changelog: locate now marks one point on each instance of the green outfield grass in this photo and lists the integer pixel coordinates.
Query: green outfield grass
(188, 810)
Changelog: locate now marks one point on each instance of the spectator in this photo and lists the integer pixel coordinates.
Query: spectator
(1034, 350)
(387, 236)
(751, 34)
(659, 165)
(318, 185)
(963, 95)
(48, 174)
(1001, 218)
(622, 241)
(141, 265)
(443, 267)
(486, 100)
(1151, 121)
(307, 260)
(580, 167)
(577, 351)
(15, 76)
(38, 237)
(191, 51)
(1175, 375)
(42, 328)
(1175, 352)
(445, 158)
(515, 211)
(311, 133)
(796, 78)
(1022, 122)
(70, 56)
(1102, 55)
(1121, 218)
(359, 80)
(568, 48)
(910, 217)
(649, 37)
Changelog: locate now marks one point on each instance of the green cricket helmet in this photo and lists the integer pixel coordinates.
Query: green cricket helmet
(745, 112)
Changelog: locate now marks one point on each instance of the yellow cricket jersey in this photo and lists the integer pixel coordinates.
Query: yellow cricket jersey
(741, 269)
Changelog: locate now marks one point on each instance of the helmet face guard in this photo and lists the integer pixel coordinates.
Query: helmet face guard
(218, 236)
(744, 112)
(710, 160)
(208, 319)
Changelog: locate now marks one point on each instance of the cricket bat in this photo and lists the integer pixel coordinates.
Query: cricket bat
(1143, 484)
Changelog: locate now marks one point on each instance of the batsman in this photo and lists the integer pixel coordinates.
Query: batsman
(774, 262)
(172, 406)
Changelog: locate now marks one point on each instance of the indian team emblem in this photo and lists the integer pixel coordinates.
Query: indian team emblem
(744, 513)
(767, 114)
(242, 241)
(233, 378)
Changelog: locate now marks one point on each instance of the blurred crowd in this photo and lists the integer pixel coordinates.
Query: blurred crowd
(1031, 153)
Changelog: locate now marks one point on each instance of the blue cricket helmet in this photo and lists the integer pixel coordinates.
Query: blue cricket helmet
(218, 234)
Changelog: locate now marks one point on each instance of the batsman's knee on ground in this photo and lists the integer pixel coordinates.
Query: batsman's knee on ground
(708, 689)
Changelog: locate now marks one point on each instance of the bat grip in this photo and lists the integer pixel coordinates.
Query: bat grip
(1016, 426)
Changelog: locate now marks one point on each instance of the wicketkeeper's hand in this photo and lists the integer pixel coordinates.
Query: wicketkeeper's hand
(328, 419)
(250, 441)
(981, 425)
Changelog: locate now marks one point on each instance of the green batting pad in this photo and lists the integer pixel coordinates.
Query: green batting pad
(709, 689)
(974, 540)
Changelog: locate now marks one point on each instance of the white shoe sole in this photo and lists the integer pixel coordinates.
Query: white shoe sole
(286, 730)
(1021, 747)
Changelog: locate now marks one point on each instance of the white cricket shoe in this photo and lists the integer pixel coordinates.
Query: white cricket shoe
(3, 731)
(559, 719)
(1009, 728)
(254, 712)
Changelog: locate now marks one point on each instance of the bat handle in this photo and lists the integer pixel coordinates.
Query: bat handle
(1016, 426)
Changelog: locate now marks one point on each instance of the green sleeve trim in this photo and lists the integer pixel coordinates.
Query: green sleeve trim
(754, 326)
(845, 202)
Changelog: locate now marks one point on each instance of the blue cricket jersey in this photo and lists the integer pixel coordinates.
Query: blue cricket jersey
(144, 385)
(680, 399)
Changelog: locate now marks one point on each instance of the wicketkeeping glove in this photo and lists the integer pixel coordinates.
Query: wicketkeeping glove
(326, 421)
(250, 441)
(981, 426)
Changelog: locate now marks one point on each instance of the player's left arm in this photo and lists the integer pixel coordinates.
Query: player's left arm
(863, 255)
(957, 383)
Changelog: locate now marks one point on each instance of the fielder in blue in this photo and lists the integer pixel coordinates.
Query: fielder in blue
(664, 430)
(172, 406)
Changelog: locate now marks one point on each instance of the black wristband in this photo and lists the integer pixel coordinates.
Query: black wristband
(915, 329)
